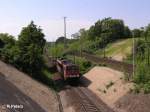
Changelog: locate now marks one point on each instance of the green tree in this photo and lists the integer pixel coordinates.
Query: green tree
(98, 28)
(83, 34)
(127, 32)
(136, 33)
(7, 42)
(115, 27)
(10, 54)
(60, 40)
(1, 44)
(107, 30)
(7, 39)
(91, 33)
(31, 43)
(76, 35)
(147, 33)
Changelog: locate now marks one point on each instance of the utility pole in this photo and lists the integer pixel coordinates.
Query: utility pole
(147, 42)
(104, 53)
(148, 56)
(80, 46)
(104, 48)
(54, 50)
(65, 44)
(148, 52)
(133, 55)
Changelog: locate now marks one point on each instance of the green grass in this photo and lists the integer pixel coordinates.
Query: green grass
(47, 73)
(56, 50)
(142, 71)
(123, 47)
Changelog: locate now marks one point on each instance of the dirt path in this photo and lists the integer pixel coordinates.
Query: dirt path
(38, 93)
(117, 94)
(134, 103)
(118, 57)
(108, 84)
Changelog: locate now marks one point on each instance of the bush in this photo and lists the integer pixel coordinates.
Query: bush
(142, 73)
(109, 85)
(146, 87)
(102, 64)
(45, 79)
(86, 64)
(137, 88)
(26, 53)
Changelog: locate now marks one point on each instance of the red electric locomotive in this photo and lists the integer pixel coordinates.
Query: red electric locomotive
(67, 69)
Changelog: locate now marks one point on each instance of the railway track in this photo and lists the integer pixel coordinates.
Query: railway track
(118, 65)
(59, 103)
(86, 104)
(82, 99)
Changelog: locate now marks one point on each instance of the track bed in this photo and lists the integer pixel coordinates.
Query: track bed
(81, 99)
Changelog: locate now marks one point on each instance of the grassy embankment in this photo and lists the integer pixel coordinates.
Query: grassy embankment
(118, 50)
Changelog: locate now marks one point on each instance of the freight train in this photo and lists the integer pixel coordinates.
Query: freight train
(67, 69)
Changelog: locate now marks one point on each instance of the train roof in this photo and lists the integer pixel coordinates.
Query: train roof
(66, 62)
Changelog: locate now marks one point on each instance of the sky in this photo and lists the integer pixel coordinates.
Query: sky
(15, 14)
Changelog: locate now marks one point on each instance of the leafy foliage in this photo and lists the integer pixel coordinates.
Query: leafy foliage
(27, 52)
(136, 33)
(7, 45)
(56, 50)
(1, 44)
(61, 40)
(31, 43)
(103, 32)
(7, 39)
(109, 30)
(96, 37)
(142, 73)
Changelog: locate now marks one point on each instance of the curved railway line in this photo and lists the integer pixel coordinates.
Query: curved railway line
(59, 103)
(118, 65)
(86, 101)
(81, 98)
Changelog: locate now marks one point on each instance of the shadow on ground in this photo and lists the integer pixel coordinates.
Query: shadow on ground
(11, 95)
(63, 84)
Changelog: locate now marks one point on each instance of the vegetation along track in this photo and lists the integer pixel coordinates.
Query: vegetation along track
(118, 65)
